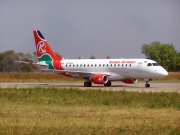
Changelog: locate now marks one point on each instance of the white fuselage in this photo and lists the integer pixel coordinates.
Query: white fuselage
(116, 69)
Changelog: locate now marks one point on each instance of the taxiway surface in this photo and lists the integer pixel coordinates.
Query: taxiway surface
(116, 86)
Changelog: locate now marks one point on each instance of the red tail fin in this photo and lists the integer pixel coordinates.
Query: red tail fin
(44, 51)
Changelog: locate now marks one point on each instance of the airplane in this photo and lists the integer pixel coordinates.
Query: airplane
(97, 71)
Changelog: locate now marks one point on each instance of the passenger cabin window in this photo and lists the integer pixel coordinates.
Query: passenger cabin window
(149, 64)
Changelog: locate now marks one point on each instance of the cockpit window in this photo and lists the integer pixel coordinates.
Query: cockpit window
(155, 64)
(149, 64)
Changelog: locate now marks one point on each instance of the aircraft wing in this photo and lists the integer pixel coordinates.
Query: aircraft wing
(77, 74)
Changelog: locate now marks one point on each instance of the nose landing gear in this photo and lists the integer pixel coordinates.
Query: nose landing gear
(147, 85)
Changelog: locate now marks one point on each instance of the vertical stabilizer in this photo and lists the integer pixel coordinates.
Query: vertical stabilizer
(44, 51)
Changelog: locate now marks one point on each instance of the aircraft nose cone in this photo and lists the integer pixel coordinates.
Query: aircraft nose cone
(163, 72)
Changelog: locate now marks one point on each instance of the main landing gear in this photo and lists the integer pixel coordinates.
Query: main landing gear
(107, 84)
(87, 84)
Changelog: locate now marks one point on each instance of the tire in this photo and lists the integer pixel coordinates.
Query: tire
(147, 85)
(87, 84)
(107, 84)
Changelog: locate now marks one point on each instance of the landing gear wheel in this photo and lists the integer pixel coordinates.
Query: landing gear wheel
(147, 85)
(107, 84)
(87, 84)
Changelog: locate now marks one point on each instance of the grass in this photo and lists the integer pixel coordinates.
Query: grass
(53, 77)
(172, 77)
(34, 77)
(74, 111)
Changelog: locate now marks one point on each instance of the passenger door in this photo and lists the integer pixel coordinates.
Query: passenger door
(139, 67)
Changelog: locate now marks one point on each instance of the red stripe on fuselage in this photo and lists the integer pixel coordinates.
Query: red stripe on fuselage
(57, 65)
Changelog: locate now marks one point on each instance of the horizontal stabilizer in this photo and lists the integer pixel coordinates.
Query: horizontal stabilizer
(38, 65)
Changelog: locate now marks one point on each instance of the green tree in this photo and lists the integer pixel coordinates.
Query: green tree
(92, 57)
(108, 57)
(79, 57)
(164, 54)
(7, 59)
(26, 68)
(35, 56)
(25, 57)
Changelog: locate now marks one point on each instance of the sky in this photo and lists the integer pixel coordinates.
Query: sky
(81, 28)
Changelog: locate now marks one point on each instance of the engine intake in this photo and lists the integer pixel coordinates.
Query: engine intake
(99, 79)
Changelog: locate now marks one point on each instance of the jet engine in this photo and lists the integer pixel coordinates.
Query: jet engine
(99, 79)
(130, 81)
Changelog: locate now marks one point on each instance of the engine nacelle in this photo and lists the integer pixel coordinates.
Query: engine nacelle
(130, 81)
(99, 79)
